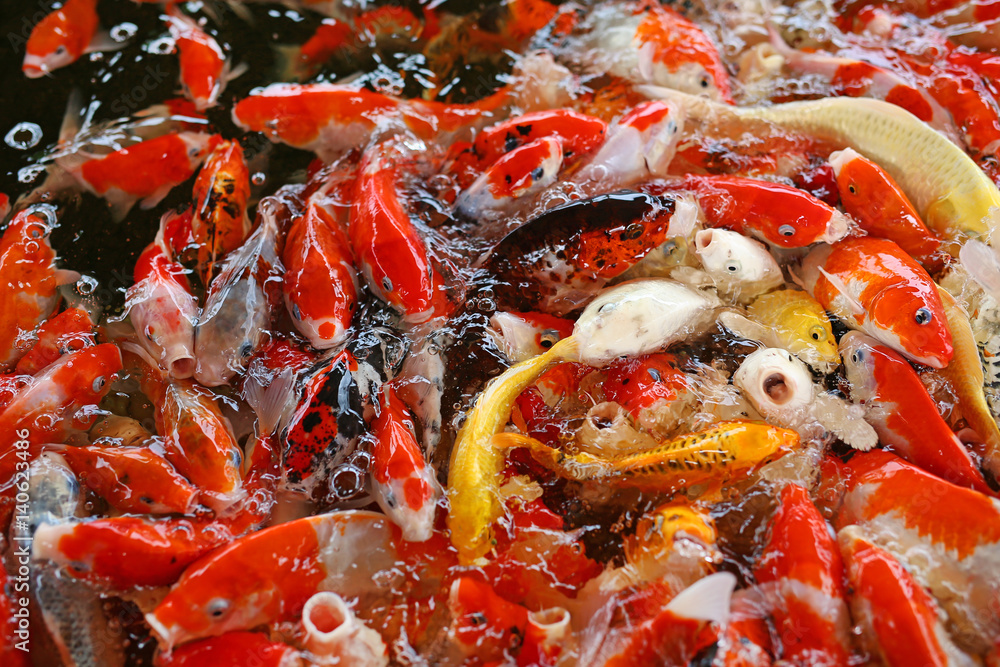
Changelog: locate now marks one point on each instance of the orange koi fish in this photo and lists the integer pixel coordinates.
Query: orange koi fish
(204, 67)
(145, 171)
(923, 521)
(320, 285)
(802, 574)
(484, 624)
(28, 280)
(43, 410)
(240, 303)
(220, 223)
(873, 285)
(61, 38)
(899, 619)
(269, 575)
(329, 119)
(232, 648)
(641, 383)
(777, 213)
(388, 247)
(519, 173)
(161, 307)
(578, 134)
(67, 332)
(125, 552)
(404, 486)
(903, 413)
(873, 198)
(131, 479)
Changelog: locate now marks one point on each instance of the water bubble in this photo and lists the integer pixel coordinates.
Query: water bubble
(24, 136)
(123, 31)
(86, 285)
(347, 481)
(259, 178)
(161, 46)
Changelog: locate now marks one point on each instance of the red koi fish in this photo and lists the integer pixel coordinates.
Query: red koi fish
(675, 634)
(269, 575)
(521, 172)
(898, 617)
(161, 307)
(61, 38)
(774, 212)
(578, 134)
(802, 573)
(220, 223)
(67, 332)
(873, 285)
(641, 383)
(28, 280)
(404, 486)
(145, 171)
(746, 640)
(329, 119)
(197, 438)
(125, 552)
(390, 250)
(923, 521)
(483, 623)
(204, 67)
(903, 413)
(232, 648)
(43, 410)
(131, 479)
(320, 285)
(873, 198)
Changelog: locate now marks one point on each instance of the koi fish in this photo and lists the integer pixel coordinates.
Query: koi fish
(873, 198)
(802, 573)
(145, 171)
(483, 623)
(872, 285)
(640, 384)
(161, 307)
(519, 173)
(220, 224)
(67, 332)
(125, 552)
(904, 414)
(329, 119)
(392, 255)
(132, 479)
(651, 43)
(204, 66)
(42, 411)
(717, 454)
(673, 636)
(898, 617)
(525, 335)
(62, 37)
(740, 267)
(240, 303)
(641, 145)
(269, 575)
(777, 213)
(320, 284)
(910, 512)
(28, 280)
(577, 133)
(797, 322)
(404, 486)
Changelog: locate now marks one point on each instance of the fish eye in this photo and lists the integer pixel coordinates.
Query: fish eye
(786, 230)
(704, 81)
(853, 190)
(854, 357)
(548, 338)
(246, 350)
(817, 332)
(296, 313)
(923, 316)
(61, 50)
(387, 284)
(217, 607)
(733, 266)
(98, 383)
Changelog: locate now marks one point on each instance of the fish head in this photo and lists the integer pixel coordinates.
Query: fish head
(90, 372)
(910, 319)
(657, 532)
(777, 383)
(859, 354)
(54, 43)
(29, 231)
(483, 621)
(732, 258)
